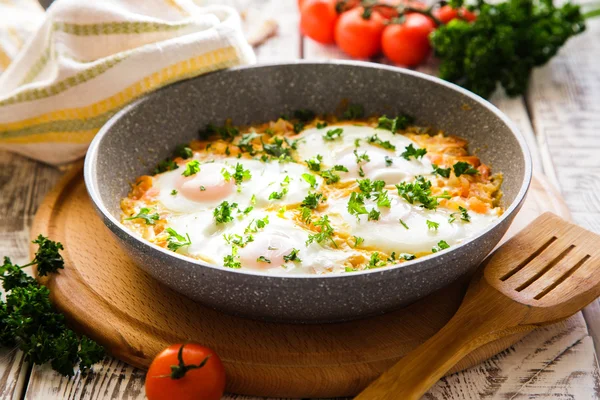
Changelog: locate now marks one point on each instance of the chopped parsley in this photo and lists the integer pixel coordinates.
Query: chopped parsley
(257, 224)
(239, 175)
(321, 125)
(464, 168)
(304, 115)
(202, 188)
(442, 245)
(356, 204)
(312, 200)
(224, 212)
(356, 142)
(418, 191)
(263, 259)
(310, 179)
(305, 214)
(358, 241)
(165, 165)
(377, 141)
(175, 241)
(326, 232)
(443, 172)
(298, 126)
(293, 256)
(394, 124)
(191, 168)
(184, 152)
(432, 225)
(238, 240)
(374, 215)
(330, 176)
(315, 163)
(174, 191)
(245, 143)
(367, 186)
(411, 151)
(144, 214)
(388, 161)
(403, 224)
(354, 111)
(333, 134)
(226, 132)
(276, 148)
(232, 260)
(408, 256)
(464, 215)
(362, 157)
(383, 200)
(375, 261)
(278, 195)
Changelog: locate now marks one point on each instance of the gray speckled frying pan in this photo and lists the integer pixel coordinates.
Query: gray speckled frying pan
(148, 130)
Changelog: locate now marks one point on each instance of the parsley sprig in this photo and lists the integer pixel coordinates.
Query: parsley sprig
(144, 214)
(333, 134)
(28, 319)
(377, 141)
(394, 124)
(326, 232)
(464, 168)
(411, 151)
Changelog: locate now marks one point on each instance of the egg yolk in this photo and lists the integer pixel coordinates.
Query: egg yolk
(207, 185)
(266, 246)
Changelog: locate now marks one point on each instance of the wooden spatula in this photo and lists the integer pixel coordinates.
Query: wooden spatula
(546, 273)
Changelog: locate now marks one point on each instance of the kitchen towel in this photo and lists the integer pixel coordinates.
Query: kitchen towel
(88, 59)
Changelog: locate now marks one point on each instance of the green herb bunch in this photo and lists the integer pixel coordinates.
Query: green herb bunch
(504, 43)
(28, 319)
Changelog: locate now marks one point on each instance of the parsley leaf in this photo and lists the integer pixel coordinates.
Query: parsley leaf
(464, 215)
(358, 241)
(464, 168)
(326, 232)
(263, 259)
(150, 219)
(443, 172)
(304, 115)
(383, 200)
(375, 261)
(174, 192)
(333, 134)
(232, 260)
(226, 132)
(276, 148)
(330, 176)
(315, 163)
(257, 224)
(354, 111)
(223, 213)
(183, 151)
(356, 204)
(312, 200)
(374, 215)
(362, 157)
(377, 141)
(175, 241)
(321, 125)
(411, 151)
(432, 225)
(310, 179)
(245, 143)
(293, 256)
(278, 195)
(440, 246)
(165, 165)
(418, 191)
(388, 161)
(400, 122)
(191, 168)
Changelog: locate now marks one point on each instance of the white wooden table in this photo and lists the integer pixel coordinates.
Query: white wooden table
(560, 116)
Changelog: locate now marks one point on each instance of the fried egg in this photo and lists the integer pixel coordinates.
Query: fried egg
(342, 198)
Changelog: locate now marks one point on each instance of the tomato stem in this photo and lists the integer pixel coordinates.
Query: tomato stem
(179, 371)
(400, 11)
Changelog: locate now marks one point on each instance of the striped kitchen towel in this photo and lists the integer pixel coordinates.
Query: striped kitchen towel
(88, 59)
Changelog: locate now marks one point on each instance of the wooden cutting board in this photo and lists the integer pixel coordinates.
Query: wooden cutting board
(104, 295)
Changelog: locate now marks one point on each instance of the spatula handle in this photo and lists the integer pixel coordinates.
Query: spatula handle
(468, 330)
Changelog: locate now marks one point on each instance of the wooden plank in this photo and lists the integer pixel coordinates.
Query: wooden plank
(564, 102)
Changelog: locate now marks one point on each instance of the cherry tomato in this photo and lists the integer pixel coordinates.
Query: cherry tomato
(317, 20)
(185, 372)
(446, 14)
(357, 36)
(408, 43)
(300, 3)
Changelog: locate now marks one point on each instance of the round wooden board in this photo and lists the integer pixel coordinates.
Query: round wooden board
(107, 297)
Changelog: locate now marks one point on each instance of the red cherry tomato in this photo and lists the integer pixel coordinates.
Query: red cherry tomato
(198, 373)
(317, 20)
(446, 14)
(357, 36)
(300, 3)
(408, 43)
